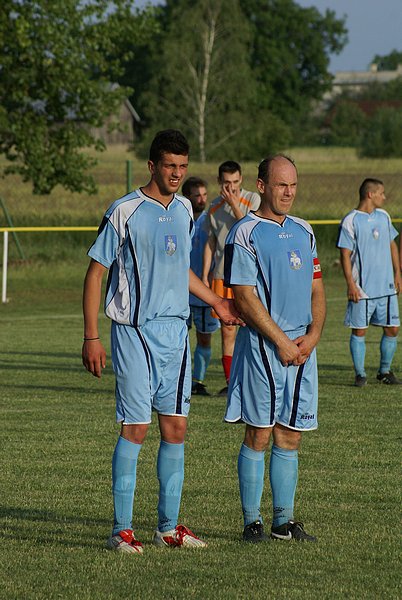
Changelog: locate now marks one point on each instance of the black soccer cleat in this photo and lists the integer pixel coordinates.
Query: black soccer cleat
(292, 530)
(360, 381)
(223, 391)
(199, 389)
(388, 378)
(254, 533)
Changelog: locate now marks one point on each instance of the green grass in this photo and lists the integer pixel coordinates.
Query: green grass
(329, 179)
(58, 434)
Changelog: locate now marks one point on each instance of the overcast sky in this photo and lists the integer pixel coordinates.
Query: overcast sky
(374, 26)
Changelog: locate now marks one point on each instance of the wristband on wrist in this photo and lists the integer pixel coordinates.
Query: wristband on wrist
(90, 339)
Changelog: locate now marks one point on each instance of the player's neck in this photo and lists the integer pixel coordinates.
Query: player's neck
(366, 206)
(153, 190)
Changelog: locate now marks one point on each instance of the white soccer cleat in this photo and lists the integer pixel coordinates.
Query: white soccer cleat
(124, 541)
(178, 538)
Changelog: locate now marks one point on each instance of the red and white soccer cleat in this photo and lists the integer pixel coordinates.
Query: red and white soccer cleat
(124, 541)
(178, 538)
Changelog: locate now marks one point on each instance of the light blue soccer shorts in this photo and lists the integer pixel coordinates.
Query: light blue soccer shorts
(203, 320)
(383, 312)
(152, 365)
(263, 392)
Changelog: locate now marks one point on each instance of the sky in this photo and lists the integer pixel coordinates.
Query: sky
(374, 26)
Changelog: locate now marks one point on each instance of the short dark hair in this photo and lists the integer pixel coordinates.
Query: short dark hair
(190, 183)
(229, 166)
(168, 141)
(264, 168)
(367, 186)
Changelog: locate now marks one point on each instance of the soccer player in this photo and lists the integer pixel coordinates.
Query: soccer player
(144, 241)
(370, 263)
(232, 204)
(195, 189)
(272, 267)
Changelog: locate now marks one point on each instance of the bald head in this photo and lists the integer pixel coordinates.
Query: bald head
(266, 165)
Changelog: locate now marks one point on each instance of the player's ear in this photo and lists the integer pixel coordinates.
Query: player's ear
(260, 186)
(151, 167)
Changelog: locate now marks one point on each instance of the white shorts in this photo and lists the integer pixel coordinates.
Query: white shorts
(152, 365)
(383, 312)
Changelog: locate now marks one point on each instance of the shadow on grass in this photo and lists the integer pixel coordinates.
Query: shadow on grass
(49, 354)
(60, 388)
(62, 531)
(37, 514)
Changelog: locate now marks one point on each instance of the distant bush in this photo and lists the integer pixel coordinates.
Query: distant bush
(347, 124)
(382, 136)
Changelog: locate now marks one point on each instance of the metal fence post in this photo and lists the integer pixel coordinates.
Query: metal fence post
(5, 263)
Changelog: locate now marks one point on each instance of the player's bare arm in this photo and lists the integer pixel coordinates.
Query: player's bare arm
(308, 342)
(224, 308)
(256, 316)
(352, 289)
(209, 252)
(396, 267)
(93, 352)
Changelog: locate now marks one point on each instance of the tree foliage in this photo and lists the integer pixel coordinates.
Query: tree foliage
(290, 54)
(268, 62)
(347, 124)
(388, 62)
(205, 85)
(382, 137)
(58, 61)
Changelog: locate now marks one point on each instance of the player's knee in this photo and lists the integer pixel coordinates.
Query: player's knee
(289, 439)
(204, 340)
(257, 438)
(135, 434)
(391, 331)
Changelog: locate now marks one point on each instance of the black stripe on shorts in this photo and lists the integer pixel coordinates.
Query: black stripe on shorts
(270, 377)
(179, 397)
(296, 396)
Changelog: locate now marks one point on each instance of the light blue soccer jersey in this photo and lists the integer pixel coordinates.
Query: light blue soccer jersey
(197, 252)
(278, 260)
(369, 238)
(146, 248)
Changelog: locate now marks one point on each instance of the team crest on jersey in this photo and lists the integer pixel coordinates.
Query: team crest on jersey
(376, 233)
(170, 244)
(295, 260)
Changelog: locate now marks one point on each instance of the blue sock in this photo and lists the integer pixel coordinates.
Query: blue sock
(124, 470)
(170, 467)
(387, 349)
(283, 470)
(251, 468)
(202, 356)
(358, 351)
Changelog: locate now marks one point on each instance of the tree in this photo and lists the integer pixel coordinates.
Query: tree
(290, 55)
(201, 81)
(238, 76)
(58, 62)
(388, 62)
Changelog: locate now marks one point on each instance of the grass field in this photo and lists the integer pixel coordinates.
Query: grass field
(58, 434)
